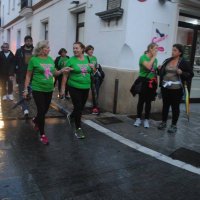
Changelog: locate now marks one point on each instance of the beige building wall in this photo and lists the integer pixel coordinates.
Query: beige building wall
(126, 103)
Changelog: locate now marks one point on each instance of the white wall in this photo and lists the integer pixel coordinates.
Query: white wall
(139, 27)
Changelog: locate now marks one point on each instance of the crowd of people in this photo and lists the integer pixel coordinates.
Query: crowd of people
(38, 74)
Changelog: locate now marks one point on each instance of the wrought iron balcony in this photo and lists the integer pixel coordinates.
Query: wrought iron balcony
(26, 8)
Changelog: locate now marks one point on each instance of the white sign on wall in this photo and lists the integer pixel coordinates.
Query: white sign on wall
(160, 36)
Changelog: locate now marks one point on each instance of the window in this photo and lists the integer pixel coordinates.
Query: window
(80, 27)
(29, 30)
(112, 4)
(18, 39)
(8, 36)
(9, 7)
(46, 30)
(13, 5)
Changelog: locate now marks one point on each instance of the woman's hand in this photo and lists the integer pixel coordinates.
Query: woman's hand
(154, 52)
(66, 70)
(91, 65)
(25, 94)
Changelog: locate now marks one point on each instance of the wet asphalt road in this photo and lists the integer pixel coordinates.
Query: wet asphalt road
(96, 168)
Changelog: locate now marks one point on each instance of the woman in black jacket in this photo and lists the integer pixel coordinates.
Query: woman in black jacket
(174, 73)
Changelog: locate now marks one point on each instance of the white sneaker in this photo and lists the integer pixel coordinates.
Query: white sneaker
(4, 97)
(11, 97)
(26, 112)
(146, 123)
(137, 122)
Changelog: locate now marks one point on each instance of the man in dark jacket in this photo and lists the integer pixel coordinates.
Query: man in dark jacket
(7, 66)
(22, 57)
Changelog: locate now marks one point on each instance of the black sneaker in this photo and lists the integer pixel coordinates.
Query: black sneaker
(172, 129)
(79, 133)
(162, 125)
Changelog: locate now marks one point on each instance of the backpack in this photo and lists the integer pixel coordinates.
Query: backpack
(99, 73)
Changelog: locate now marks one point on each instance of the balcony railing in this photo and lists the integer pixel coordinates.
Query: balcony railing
(26, 8)
(26, 4)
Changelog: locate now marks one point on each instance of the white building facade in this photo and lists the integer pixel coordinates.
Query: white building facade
(120, 31)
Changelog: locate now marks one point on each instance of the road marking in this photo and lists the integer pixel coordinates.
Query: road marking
(142, 149)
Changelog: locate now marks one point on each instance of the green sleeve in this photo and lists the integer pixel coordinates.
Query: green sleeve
(31, 64)
(69, 64)
(142, 59)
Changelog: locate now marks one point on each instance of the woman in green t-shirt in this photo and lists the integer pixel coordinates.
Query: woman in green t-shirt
(40, 72)
(60, 62)
(148, 75)
(95, 79)
(79, 83)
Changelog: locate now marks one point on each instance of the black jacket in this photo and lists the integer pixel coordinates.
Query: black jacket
(7, 65)
(21, 67)
(187, 72)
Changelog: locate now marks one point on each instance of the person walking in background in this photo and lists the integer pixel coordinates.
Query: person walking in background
(60, 62)
(7, 67)
(22, 57)
(148, 75)
(96, 78)
(79, 83)
(41, 70)
(173, 73)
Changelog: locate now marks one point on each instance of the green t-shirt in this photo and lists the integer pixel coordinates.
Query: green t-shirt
(43, 71)
(62, 62)
(144, 71)
(93, 60)
(79, 77)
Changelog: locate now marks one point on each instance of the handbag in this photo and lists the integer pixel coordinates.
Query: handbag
(137, 86)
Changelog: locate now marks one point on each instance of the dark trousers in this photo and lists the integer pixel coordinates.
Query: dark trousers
(79, 98)
(95, 85)
(24, 103)
(6, 85)
(171, 98)
(42, 101)
(59, 80)
(144, 99)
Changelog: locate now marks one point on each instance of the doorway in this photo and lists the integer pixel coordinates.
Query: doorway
(189, 36)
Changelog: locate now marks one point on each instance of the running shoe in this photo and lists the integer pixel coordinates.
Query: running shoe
(146, 123)
(11, 97)
(172, 129)
(79, 133)
(44, 139)
(162, 125)
(4, 97)
(137, 122)
(95, 111)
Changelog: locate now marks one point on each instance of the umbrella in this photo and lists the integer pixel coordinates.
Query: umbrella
(187, 101)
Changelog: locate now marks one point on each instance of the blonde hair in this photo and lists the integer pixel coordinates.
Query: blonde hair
(150, 46)
(39, 46)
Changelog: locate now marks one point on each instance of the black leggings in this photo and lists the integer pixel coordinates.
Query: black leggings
(79, 98)
(144, 99)
(42, 101)
(171, 98)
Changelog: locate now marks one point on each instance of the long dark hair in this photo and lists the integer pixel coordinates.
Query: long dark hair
(180, 48)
